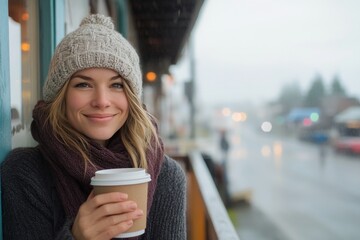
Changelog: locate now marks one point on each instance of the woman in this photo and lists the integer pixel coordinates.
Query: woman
(91, 117)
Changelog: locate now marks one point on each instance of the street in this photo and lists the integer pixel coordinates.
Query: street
(301, 192)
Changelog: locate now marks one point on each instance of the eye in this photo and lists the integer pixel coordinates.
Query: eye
(117, 85)
(82, 85)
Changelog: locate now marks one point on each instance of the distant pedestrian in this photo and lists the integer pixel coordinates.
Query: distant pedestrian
(225, 146)
(321, 139)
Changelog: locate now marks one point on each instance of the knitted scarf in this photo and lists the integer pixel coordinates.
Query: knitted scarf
(72, 179)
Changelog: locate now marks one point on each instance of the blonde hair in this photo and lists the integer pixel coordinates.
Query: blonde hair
(137, 133)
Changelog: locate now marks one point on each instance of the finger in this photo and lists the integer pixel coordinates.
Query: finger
(114, 230)
(98, 214)
(114, 209)
(112, 220)
(106, 198)
(93, 210)
(88, 214)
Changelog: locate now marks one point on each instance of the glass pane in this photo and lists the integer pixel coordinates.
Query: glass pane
(23, 50)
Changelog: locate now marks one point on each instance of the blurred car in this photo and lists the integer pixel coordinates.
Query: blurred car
(347, 145)
(314, 136)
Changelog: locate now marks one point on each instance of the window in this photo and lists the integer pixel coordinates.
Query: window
(24, 68)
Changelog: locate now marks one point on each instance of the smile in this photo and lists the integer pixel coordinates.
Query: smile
(99, 117)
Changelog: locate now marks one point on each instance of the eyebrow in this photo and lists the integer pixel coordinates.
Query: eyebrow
(90, 78)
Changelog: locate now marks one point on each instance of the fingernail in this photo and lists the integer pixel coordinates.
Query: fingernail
(130, 222)
(123, 196)
(139, 213)
(133, 205)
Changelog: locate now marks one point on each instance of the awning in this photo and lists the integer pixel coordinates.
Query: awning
(163, 27)
(348, 115)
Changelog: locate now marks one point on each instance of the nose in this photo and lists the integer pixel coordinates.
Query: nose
(100, 99)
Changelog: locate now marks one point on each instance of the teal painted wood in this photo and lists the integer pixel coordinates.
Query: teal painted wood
(5, 108)
(5, 112)
(122, 13)
(52, 30)
(47, 36)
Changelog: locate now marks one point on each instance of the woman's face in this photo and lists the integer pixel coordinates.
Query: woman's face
(96, 104)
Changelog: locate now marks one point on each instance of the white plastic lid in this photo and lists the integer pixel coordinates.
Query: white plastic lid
(120, 176)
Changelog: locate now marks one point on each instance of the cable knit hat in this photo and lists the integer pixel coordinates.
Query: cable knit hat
(94, 44)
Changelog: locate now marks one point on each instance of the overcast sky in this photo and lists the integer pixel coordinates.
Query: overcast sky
(248, 49)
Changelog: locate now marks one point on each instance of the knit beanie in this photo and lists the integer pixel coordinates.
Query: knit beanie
(95, 44)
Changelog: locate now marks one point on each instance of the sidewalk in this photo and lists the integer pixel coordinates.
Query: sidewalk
(251, 224)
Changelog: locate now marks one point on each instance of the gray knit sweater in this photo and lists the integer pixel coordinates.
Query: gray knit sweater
(32, 209)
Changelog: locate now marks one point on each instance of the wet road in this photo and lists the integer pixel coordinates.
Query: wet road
(304, 194)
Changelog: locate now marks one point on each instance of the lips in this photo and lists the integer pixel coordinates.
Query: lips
(99, 117)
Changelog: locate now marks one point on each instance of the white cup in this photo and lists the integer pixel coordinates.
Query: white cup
(132, 181)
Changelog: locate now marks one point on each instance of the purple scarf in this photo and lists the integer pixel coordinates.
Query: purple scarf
(67, 165)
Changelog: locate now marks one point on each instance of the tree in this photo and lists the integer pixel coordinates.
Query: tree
(316, 93)
(336, 88)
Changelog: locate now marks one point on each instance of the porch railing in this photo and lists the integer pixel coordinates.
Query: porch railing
(207, 217)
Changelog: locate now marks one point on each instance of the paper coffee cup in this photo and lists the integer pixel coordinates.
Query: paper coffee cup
(132, 181)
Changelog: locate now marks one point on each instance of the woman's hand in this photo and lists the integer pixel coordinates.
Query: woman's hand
(104, 216)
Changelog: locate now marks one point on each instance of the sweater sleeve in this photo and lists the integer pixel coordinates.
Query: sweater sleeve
(167, 217)
(29, 209)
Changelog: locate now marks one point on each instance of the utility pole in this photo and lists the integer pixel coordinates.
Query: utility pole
(192, 90)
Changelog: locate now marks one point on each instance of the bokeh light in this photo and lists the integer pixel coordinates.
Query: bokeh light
(266, 126)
